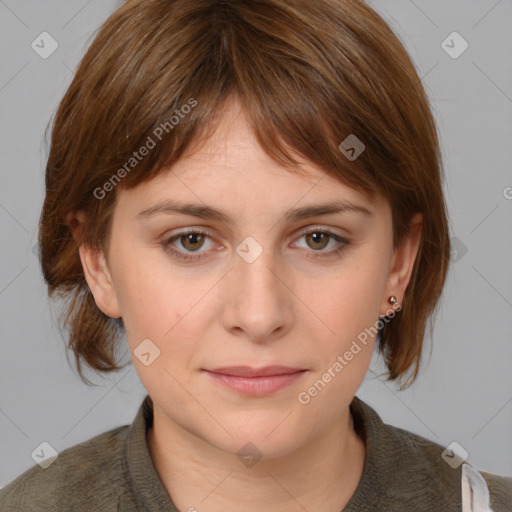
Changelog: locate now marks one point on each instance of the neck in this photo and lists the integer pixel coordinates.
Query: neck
(322, 475)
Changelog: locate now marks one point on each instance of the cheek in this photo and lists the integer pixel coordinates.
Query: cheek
(158, 303)
(146, 299)
(345, 302)
(345, 337)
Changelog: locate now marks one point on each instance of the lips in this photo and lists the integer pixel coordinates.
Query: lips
(256, 382)
(248, 371)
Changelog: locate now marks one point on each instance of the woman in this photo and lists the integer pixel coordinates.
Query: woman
(251, 192)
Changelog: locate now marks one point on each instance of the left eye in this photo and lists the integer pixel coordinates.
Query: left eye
(191, 240)
(194, 240)
(320, 238)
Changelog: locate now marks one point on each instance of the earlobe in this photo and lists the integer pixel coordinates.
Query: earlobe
(99, 279)
(403, 262)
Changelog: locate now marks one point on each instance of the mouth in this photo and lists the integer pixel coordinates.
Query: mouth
(256, 381)
(249, 371)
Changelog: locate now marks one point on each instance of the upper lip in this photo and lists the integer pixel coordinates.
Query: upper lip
(249, 371)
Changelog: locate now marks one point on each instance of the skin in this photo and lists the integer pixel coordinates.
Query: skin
(286, 307)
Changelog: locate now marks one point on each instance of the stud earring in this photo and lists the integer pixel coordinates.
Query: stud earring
(392, 300)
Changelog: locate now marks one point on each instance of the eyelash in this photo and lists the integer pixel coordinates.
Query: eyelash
(166, 244)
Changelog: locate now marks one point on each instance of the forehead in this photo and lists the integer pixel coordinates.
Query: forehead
(231, 169)
(233, 146)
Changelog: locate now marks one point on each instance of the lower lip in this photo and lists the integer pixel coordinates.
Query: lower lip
(256, 386)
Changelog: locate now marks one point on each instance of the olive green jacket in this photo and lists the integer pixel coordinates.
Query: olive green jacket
(114, 472)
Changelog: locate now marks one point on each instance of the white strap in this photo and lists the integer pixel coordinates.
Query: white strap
(475, 493)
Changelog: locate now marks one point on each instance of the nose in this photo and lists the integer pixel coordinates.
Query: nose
(258, 300)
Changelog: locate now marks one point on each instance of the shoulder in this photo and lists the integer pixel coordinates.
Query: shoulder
(428, 457)
(500, 490)
(432, 466)
(406, 468)
(82, 474)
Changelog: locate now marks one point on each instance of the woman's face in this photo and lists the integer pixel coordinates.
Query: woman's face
(256, 291)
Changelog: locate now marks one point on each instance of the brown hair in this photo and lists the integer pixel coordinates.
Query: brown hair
(307, 73)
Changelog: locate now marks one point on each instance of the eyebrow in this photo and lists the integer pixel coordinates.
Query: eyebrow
(170, 207)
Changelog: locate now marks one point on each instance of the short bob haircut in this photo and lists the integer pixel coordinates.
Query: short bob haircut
(307, 74)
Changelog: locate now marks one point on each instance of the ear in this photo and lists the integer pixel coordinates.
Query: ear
(402, 264)
(96, 271)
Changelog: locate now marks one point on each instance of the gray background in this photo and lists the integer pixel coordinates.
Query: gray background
(463, 394)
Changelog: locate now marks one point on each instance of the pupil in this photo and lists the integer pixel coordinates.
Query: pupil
(317, 237)
(192, 238)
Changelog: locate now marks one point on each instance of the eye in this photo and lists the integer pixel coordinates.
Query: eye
(192, 240)
(318, 239)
